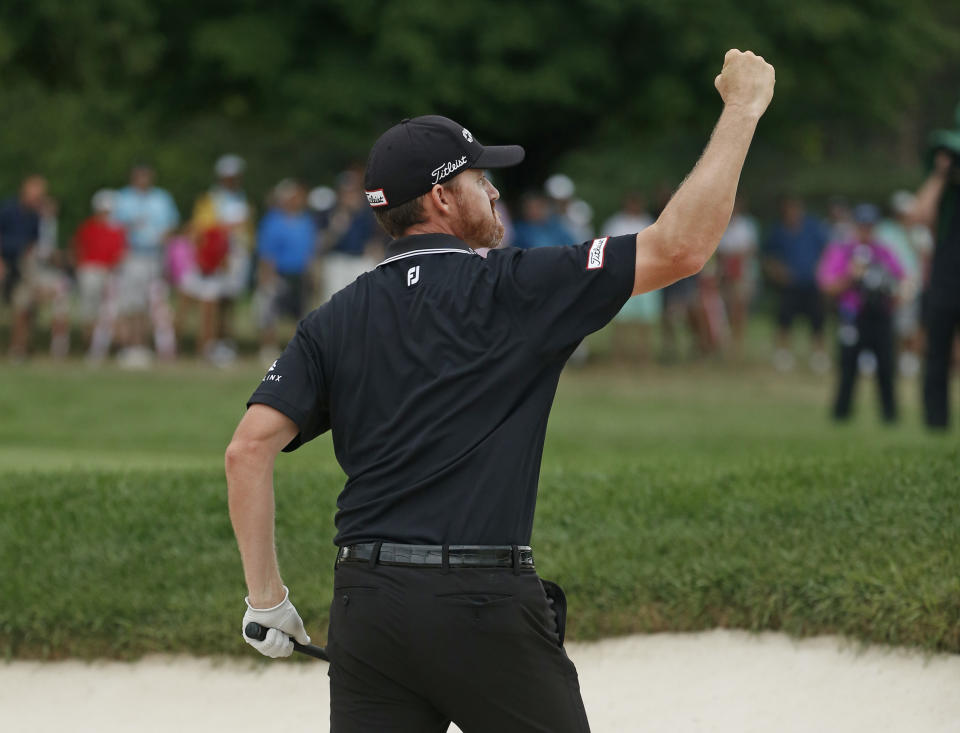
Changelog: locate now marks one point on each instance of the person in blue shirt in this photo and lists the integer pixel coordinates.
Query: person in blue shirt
(286, 244)
(540, 227)
(793, 249)
(148, 215)
(352, 242)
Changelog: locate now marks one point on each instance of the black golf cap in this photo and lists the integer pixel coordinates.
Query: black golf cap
(410, 158)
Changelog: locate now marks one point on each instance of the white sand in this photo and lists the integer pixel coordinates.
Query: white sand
(719, 681)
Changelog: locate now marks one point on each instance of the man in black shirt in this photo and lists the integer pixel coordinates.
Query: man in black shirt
(938, 206)
(436, 373)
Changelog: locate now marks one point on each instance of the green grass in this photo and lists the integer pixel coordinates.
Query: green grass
(669, 499)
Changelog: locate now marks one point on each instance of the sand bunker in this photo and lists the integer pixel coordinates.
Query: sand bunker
(712, 682)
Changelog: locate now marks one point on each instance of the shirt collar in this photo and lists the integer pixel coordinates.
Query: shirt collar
(425, 244)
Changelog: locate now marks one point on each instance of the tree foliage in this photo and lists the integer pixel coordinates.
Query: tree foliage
(303, 87)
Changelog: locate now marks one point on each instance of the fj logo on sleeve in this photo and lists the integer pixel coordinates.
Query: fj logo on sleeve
(595, 257)
(413, 276)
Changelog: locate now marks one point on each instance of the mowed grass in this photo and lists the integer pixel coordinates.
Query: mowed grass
(670, 499)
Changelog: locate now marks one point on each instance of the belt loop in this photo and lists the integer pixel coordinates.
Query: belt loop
(515, 552)
(445, 558)
(375, 555)
(336, 560)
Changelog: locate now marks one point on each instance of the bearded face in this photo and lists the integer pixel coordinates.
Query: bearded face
(479, 224)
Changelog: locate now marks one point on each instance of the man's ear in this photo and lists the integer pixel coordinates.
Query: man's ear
(441, 197)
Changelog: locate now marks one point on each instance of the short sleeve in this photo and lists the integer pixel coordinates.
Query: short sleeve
(294, 385)
(561, 294)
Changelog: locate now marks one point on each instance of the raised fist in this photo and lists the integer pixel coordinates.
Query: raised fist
(746, 81)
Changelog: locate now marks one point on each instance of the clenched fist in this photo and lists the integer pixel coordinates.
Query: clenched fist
(746, 81)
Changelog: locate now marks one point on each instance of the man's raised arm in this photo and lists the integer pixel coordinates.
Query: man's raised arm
(685, 235)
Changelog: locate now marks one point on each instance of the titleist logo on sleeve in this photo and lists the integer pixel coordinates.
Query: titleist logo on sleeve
(595, 257)
(447, 168)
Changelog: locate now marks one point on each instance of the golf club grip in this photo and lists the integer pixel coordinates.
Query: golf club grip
(254, 630)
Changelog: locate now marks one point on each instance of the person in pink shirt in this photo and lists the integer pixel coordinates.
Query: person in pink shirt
(863, 277)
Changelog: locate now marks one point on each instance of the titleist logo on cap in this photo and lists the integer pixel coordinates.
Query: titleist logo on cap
(447, 168)
(376, 198)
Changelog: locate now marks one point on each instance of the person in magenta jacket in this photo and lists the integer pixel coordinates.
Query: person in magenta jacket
(863, 276)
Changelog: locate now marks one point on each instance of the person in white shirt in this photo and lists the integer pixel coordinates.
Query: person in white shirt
(635, 320)
(736, 257)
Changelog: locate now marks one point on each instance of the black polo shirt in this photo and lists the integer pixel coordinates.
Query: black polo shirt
(436, 372)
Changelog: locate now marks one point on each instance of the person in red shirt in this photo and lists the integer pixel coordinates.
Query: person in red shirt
(100, 245)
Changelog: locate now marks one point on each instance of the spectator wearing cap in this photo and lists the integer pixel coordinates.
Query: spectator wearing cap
(221, 226)
(352, 244)
(636, 318)
(286, 244)
(862, 275)
(792, 251)
(148, 214)
(99, 246)
(736, 263)
(575, 214)
(912, 244)
(539, 226)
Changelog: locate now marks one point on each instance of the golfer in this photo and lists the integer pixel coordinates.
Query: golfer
(435, 373)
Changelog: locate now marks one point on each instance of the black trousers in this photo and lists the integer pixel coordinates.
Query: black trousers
(942, 324)
(414, 649)
(871, 332)
(801, 300)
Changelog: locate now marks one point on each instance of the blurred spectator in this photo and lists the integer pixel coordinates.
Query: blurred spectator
(538, 226)
(863, 276)
(222, 228)
(680, 303)
(736, 262)
(148, 215)
(287, 242)
(840, 223)
(352, 243)
(938, 205)
(321, 201)
(99, 246)
(576, 215)
(911, 244)
(640, 312)
(793, 249)
(27, 265)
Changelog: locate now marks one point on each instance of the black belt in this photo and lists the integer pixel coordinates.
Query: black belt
(473, 556)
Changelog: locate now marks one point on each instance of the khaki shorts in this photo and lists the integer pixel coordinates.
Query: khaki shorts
(38, 284)
(95, 283)
(137, 274)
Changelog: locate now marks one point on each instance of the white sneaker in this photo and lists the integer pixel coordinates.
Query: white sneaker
(909, 364)
(819, 362)
(135, 357)
(221, 354)
(784, 360)
(867, 363)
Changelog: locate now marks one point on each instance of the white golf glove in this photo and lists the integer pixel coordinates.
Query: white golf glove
(282, 620)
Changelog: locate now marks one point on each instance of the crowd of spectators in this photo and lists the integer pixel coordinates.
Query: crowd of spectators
(143, 283)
